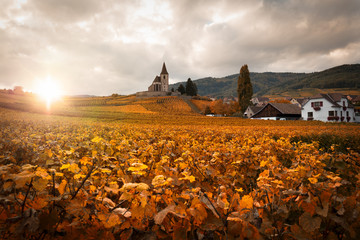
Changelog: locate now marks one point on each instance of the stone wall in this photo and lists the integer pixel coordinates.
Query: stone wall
(156, 94)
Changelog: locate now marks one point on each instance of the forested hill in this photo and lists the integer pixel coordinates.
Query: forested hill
(269, 83)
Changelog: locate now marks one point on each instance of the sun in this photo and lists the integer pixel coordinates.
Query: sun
(48, 90)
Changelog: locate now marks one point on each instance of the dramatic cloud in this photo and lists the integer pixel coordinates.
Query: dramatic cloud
(105, 47)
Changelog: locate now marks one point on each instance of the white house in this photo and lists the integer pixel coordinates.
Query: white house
(333, 107)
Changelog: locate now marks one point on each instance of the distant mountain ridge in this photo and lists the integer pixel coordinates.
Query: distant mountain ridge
(270, 83)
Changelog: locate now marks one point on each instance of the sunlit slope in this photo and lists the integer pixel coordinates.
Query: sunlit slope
(101, 107)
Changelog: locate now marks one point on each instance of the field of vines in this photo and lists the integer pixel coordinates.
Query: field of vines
(74, 178)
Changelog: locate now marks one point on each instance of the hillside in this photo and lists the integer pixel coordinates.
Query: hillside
(346, 77)
(111, 107)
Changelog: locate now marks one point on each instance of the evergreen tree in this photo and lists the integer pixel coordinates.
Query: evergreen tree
(244, 88)
(181, 89)
(190, 88)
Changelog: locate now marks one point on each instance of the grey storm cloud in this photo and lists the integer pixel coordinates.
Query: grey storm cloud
(105, 47)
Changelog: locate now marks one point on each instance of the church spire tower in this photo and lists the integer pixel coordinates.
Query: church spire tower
(164, 76)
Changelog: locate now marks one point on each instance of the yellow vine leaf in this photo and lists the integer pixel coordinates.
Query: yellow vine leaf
(96, 139)
(79, 175)
(74, 168)
(313, 180)
(263, 163)
(158, 181)
(190, 178)
(85, 161)
(65, 166)
(137, 167)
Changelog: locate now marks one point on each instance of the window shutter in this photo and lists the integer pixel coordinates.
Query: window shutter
(321, 104)
(312, 104)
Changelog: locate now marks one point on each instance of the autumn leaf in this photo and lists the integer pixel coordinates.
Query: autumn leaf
(8, 186)
(96, 139)
(246, 202)
(222, 201)
(62, 186)
(40, 184)
(313, 180)
(188, 177)
(65, 166)
(109, 221)
(309, 223)
(49, 153)
(122, 211)
(160, 216)
(41, 172)
(138, 168)
(85, 161)
(38, 203)
(197, 211)
(136, 186)
(309, 207)
(22, 178)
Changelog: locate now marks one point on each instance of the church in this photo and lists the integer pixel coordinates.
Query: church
(160, 83)
(159, 87)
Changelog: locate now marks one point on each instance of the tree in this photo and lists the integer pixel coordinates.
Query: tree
(244, 88)
(217, 107)
(233, 107)
(191, 88)
(181, 89)
(207, 110)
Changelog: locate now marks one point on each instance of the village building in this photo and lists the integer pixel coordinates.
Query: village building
(278, 111)
(260, 101)
(355, 99)
(159, 86)
(333, 107)
(299, 101)
(251, 110)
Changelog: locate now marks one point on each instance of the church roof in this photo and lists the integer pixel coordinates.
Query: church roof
(157, 79)
(163, 70)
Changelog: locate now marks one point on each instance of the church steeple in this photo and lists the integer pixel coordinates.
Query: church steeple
(163, 70)
(164, 77)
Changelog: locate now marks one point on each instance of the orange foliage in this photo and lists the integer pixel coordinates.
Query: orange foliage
(280, 100)
(62, 178)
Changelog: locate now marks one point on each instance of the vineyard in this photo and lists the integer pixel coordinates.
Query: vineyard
(158, 176)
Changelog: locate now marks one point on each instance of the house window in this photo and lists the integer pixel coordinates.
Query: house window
(310, 114)
(331, 113)
(317, 104)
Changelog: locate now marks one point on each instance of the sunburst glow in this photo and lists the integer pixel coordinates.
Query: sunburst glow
(49, 91)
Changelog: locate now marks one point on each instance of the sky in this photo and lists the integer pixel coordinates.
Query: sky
(111, 46)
